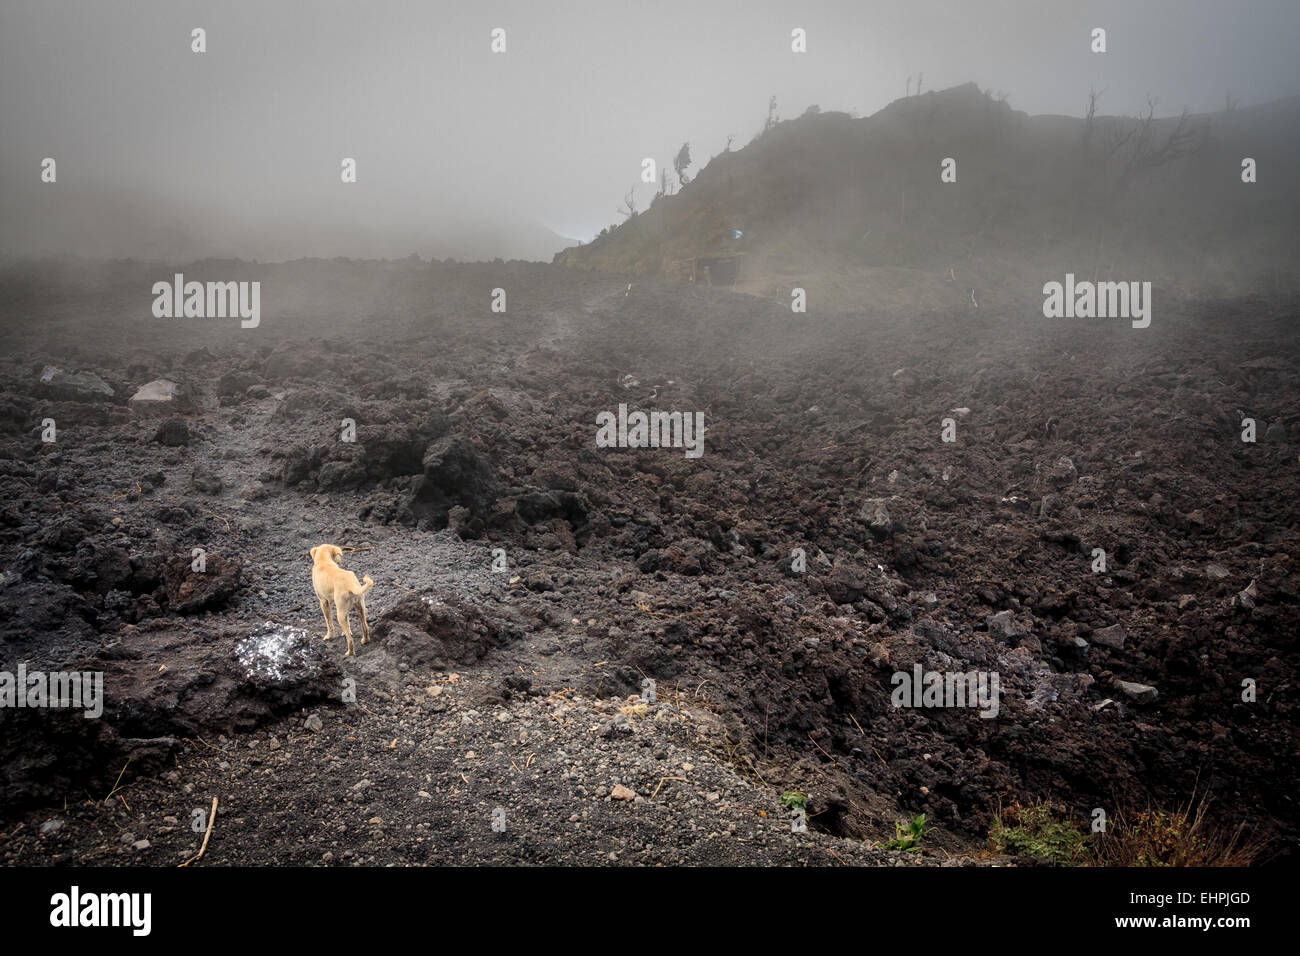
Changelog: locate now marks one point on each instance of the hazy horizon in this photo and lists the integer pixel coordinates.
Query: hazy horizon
(162, 152)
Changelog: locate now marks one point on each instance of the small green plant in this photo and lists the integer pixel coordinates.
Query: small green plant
(794, 800)
(1038, 830)
(909, 839)
(1150, 837)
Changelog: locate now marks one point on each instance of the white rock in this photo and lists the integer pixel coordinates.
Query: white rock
(161, 396)
(1142, 693)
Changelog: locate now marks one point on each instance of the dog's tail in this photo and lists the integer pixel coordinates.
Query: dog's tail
(366, 584)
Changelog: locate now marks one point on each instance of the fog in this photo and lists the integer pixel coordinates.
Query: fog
(165, 153)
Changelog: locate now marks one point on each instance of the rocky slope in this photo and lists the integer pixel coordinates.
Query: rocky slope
(491, 685)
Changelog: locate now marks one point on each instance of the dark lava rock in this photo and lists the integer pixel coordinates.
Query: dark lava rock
(233, 387)
(875, 512)
(342, 475)
(97, 413)
(536, 506)
(206, 480)
(398, 448)
(1062, 474)
(293, 361)
(103, 566)
(382, 451)
(158, 688)
(689, 556)
(37, 613)
(79, 387)
(15, 412)
(299, 463)
(539, 581)
(1056, 604)
(1112, 636)
(455, 473)
(173, 433)
(277, 662)
(187, 591)
(1003, 628)
(311, 405)
(846, 584)
(62, 534)
(431, 632)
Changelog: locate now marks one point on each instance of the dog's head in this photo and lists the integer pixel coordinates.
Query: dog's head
(326, 552)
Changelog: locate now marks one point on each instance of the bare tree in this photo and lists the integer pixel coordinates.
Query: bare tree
(628, 209)
(1090, 122)
(1137, 150)
(1128, 148)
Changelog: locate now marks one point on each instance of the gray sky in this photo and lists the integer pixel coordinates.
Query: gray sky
(237, 151)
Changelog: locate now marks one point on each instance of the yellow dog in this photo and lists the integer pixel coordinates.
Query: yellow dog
(339, 587)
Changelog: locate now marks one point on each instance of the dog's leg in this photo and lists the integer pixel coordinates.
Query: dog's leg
(342, 611)
(365, 625)
(329, 626)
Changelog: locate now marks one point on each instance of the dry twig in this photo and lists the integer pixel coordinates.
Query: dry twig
(212, 819)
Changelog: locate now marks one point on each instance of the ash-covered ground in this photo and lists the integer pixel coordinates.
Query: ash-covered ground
(486, 690)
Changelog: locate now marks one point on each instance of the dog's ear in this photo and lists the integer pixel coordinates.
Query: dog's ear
(336, 552)
(313, 551)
